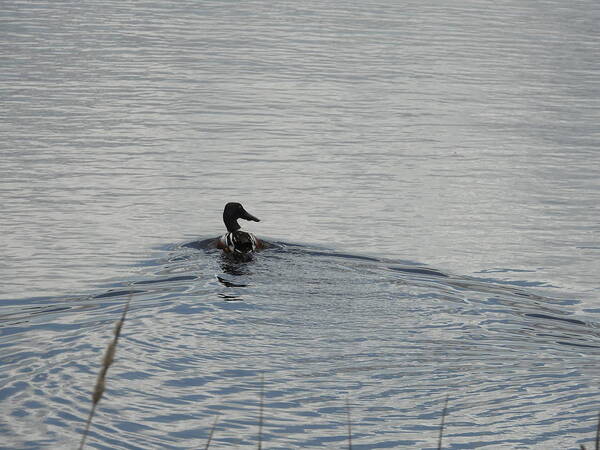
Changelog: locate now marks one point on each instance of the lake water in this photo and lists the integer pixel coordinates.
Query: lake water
(430, 171)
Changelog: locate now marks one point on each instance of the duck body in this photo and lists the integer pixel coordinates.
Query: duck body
(236, 241)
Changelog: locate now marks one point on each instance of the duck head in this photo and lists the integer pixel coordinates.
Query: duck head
(233, 212)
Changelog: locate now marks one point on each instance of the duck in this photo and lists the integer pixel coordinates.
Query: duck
(236, 241)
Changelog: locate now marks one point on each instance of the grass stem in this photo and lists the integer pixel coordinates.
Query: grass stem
(261, 410)
(210, 435)
(444, 412)
(107, 360)
(349, 424)
(598, 433)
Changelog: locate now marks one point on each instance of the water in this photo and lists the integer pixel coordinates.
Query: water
(431, 170)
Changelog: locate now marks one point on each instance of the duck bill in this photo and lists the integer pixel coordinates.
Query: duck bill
(247, 216)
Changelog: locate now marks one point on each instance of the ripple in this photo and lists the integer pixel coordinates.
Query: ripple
(460, 136)
(322, 326)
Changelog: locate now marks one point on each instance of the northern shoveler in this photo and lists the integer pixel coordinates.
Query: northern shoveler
(237, 241)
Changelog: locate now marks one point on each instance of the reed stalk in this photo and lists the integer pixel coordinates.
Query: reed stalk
(598, 433)
(107, 360)
(349, 424)
(444, 412)
(109, 357)
(210, 435)
(261, 410)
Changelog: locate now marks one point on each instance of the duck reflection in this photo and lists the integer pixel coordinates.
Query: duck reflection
(227, 283)
(234, 267)
(231, 298)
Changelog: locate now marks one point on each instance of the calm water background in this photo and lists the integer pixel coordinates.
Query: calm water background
(461, 136)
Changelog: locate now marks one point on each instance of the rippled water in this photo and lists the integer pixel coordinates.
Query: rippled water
(457, 145)
(392, 337)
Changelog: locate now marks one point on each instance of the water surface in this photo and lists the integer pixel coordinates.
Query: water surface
(458, 138)
(392, 338)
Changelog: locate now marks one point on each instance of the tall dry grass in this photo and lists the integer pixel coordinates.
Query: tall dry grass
(212, 431)
(348, 420)
(107, 360)
(109, 357)
(441, 433)
(597, 446)
(261, 410)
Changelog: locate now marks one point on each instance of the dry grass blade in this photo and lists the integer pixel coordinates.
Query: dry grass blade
(107, 360)
(212, 430)
(260, 411)
(598, 433)
(597, 445)
(445, 410)
(349, 424)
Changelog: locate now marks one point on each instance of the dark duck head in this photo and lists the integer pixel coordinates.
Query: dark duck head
(233, 212)
(235, 240)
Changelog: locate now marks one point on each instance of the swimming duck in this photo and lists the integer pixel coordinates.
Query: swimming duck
(237, 241)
